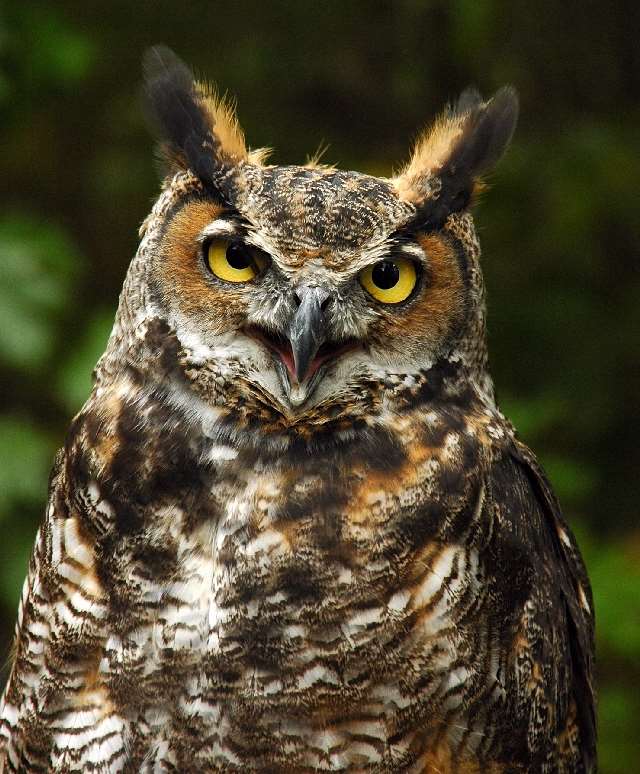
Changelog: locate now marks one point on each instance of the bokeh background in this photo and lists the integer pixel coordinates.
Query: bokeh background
(558, 226)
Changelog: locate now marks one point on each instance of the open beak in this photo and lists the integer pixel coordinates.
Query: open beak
(306, 347)
(307, 329)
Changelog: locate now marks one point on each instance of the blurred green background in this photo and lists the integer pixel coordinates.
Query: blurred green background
(558, 226)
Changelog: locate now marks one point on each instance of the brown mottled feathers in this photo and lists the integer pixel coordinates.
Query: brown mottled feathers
(554, 640)
(577, 603)
(349, 566)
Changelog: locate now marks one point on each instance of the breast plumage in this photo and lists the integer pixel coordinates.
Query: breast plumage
(290, 530)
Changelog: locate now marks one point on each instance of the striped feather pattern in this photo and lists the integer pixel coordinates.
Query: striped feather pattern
(284, 613)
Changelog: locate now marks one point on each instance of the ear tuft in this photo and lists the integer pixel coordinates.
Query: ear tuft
(221, 115)
(463, 144)
(174, 109)
(469, 100)
(487, 131)
(199, 130)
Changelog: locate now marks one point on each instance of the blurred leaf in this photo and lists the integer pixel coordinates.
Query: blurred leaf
(572, 480)
(5, 88)
(74, 380)
(57, 52)
(472, 24)
(619, 741)
(615, 578)
(16, 550)
(37, 266)
(532, 416)
(26, 454)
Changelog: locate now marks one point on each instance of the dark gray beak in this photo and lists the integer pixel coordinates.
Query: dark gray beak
(307, 328)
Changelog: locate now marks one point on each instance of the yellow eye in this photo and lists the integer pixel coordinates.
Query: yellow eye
(390, 281)
(233, 261)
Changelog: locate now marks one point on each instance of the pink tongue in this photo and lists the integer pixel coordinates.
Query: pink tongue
(287, 359)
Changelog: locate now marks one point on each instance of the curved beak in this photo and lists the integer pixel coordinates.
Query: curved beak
(307, 328)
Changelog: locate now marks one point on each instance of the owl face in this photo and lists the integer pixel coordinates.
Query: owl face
(320, 285)
(302, 284)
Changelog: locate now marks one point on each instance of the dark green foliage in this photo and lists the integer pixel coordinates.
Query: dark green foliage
(558, 229)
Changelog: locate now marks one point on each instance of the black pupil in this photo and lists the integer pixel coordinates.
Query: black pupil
(385, 275)
(238, 256)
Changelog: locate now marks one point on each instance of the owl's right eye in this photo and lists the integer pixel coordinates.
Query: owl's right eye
(234, 261)
(390, 281)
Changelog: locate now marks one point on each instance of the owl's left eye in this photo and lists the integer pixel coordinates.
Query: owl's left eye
(234, 261)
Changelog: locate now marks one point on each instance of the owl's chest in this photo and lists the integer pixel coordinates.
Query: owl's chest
(311, 597)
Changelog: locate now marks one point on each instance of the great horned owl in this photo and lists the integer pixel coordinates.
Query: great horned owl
(290, 530)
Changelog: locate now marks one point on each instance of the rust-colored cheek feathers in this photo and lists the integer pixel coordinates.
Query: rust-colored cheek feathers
(432, 317)
(443, 304)
(182, 278)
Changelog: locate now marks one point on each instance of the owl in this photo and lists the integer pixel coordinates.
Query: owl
(290, 530)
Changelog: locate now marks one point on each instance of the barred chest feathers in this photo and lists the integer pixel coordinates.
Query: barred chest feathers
(309, 606)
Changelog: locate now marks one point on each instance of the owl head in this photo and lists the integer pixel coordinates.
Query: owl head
(289, 291)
